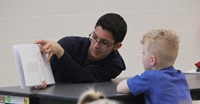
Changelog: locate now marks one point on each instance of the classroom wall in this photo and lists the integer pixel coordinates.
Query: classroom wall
(24, 21)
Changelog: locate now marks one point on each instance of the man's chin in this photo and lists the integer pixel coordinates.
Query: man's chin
(94, 58)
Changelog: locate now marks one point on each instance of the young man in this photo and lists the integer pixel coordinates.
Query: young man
(93, 59)
(161, 83)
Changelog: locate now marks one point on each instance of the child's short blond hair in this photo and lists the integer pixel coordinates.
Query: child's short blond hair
(164, 44)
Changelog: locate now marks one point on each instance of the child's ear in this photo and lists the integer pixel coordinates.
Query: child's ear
(153, 60)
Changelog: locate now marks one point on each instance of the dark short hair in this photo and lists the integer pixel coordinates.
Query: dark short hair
(115, 24)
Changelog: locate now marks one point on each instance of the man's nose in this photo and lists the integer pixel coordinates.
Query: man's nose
(96, 44)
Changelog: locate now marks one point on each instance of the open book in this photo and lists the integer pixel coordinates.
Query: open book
(32, 66)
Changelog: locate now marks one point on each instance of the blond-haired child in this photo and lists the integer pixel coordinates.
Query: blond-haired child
(161, 83)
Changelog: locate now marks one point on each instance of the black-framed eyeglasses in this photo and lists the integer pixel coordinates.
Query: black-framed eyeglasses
(102, 43)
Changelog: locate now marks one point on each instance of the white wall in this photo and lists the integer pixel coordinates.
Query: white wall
(24, 21)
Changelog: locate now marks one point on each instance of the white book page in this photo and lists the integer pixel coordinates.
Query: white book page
(19, 66)
(31, 65)
(48, 76)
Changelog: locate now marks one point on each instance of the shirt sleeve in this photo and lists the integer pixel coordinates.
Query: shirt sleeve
(68, 70)
(138, 84)
(72, 72)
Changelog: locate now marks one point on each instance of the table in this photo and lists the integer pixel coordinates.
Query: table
(69, 93)
(194, 85)
(63, 93)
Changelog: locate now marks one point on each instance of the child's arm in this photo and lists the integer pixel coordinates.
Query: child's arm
(122, 87)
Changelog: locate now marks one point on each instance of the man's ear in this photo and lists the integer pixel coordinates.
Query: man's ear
(117, 45)
(153, 60)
